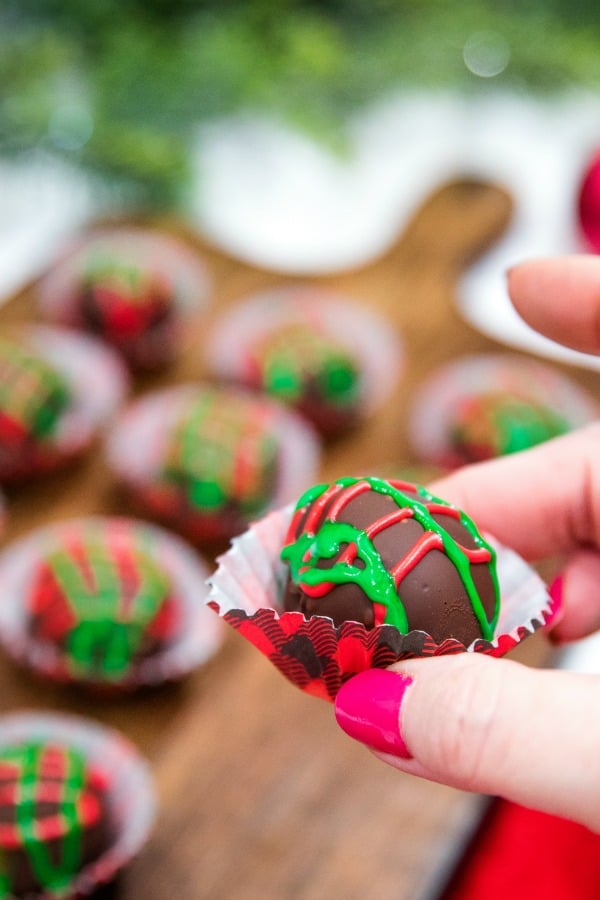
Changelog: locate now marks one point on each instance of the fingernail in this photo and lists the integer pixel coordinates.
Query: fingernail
(367, 708)
(556, 591)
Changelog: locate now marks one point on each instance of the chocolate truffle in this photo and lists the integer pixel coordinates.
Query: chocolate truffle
(222, 458)
(54, 818)
(103, 603)
(33, 395)
(500, 422)
(309, 370)
(126, 304)
(389, 552)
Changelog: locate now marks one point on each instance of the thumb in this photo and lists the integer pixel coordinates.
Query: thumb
(484, 725)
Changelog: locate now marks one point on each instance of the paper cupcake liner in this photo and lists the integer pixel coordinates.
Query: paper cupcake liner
(199, 636)
(98, 383)
(130, 796)
(435, 403)
(368, 338)
(138, 444)
(318, 657)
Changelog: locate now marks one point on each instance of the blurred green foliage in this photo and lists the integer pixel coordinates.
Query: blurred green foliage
(119, 86)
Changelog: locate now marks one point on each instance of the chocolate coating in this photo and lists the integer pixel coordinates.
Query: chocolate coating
(432, 592)
(500, 422)
(311, 371)
(46, 843)
(103, 604)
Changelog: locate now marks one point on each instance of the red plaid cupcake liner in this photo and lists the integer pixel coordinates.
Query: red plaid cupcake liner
(199, 634)
(247, 589)
(436, 403)
(130, 791)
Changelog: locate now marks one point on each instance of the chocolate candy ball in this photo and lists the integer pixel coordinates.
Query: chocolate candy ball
(53, 817)
(103, 603)
(500, 422)
(389, 552)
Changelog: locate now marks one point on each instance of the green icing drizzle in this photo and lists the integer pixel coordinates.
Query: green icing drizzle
(106, 637)
(32, 392)
(221, 452)
(497, 424)
(374, 579)
(297, 355)
(50, 874)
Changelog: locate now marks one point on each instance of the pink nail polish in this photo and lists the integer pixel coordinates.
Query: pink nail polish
(555, 590)
(556, 593)
(367, 708)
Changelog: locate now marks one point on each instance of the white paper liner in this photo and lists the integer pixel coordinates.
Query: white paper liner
(131, 797)
(138, 443)
(367, 337)
(199, 636)
(251, 578)
(143, 248)
(435, 403)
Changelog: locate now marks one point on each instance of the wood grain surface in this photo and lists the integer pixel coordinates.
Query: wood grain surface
(261, 796)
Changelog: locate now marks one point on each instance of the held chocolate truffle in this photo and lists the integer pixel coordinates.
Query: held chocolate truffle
(389, 552)
(54, 818)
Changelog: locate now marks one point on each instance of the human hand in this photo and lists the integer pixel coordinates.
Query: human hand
(496, 726)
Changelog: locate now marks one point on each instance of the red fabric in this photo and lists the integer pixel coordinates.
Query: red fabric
(525, 855)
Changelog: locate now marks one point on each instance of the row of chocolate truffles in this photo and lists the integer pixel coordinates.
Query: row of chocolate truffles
(77, 802)
(206, 459)
(325, 355)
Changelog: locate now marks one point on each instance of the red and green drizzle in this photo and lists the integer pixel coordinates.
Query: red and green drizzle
(500, 422)
(297, 354)
(35, 773)
(322, 536)
(33, 395)
(100, 599)
(127, 297)
(224, 450)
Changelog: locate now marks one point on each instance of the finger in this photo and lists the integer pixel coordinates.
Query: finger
(485, 725)
(577, 591)
(560, 297)
(541, 501)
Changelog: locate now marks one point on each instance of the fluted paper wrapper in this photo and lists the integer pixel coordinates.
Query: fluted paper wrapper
(199, 635)
(247, 589)
(130, 792)
(435, 404)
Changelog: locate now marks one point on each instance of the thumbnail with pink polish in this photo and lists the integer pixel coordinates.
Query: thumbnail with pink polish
(367, 708)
